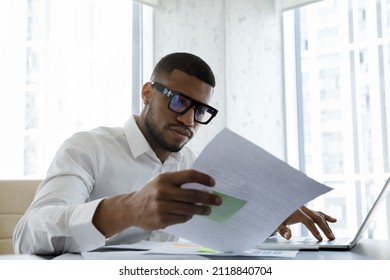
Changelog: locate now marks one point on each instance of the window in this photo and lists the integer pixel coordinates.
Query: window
(75, 65)
(337, 64)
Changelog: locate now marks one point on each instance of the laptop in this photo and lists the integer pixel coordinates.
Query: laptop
(340, 243)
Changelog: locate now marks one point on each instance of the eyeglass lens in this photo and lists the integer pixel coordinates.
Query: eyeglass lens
(181, 104)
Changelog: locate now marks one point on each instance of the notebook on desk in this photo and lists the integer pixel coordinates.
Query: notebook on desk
(340, 243)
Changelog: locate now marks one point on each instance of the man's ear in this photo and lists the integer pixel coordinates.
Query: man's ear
(147, 93)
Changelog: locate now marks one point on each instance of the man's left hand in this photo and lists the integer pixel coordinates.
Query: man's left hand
(311, 219)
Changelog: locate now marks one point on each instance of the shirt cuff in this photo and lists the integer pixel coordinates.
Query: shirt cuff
(83, 231)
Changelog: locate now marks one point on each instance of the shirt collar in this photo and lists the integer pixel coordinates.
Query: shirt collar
(139, 145)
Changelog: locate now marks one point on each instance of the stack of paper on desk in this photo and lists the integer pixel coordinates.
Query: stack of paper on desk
(172, 250)
(259, 191)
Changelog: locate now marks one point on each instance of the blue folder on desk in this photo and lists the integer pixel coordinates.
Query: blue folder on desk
(340, 243)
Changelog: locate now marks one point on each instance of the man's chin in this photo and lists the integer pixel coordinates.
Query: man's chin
(175, 149)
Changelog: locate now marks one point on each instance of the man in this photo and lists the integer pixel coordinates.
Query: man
(123, 185)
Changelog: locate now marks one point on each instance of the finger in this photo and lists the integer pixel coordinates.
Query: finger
(309, 223)
(169, 213)
(197, 197)
(321, 221)
(188, 176)
(187, 209)
(324, 226)
(328, 218)
(187, 195)
(284, 231)
(168, 192)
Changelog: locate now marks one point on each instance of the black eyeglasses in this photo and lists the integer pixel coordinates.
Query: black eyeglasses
(180, 103)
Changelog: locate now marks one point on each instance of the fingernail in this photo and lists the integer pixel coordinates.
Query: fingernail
(285, 235)
(217, 201)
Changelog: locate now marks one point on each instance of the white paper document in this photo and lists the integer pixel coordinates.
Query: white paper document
(259, 192)
(189, 248)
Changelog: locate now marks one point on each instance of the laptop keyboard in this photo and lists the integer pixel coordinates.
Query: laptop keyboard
(310, 240)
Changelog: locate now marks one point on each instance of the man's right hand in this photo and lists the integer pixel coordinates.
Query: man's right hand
(160, 203)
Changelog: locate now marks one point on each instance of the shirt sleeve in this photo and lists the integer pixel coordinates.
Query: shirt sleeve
(60, 218)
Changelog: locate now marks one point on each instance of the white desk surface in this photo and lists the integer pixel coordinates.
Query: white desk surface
(367, 249)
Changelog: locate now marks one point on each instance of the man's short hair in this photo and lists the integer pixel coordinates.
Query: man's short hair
(186, 62)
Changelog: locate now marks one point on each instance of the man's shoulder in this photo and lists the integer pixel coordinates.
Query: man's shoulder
(105, 131)
(102, 131)
(96, 135)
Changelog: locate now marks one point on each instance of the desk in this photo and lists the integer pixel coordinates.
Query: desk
(367, 249)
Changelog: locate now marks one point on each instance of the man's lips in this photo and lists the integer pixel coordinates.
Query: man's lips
(182, 131)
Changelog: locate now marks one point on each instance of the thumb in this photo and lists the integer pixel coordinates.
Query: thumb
(284, 231)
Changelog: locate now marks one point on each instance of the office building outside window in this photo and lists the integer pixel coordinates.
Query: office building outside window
(337, 73)
(83, 68)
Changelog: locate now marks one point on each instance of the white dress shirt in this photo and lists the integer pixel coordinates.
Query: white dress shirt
(88, 167)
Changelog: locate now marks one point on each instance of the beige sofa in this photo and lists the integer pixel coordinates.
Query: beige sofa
(15, 197)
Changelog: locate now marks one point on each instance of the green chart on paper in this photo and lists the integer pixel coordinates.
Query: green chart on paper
(227, 209)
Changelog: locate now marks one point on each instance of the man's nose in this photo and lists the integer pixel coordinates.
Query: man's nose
(187, 118)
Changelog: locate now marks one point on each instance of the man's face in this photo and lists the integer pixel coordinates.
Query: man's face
(168, 130)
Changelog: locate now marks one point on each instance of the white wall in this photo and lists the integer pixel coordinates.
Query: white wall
(241, 40)
(254, 76)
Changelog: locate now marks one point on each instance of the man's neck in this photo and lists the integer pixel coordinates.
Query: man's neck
(161, 154)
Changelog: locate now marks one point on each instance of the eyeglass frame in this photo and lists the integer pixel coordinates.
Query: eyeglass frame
(194, 103)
